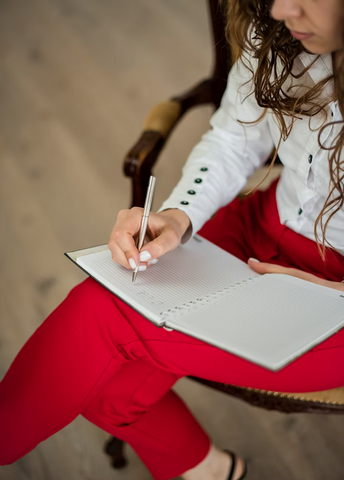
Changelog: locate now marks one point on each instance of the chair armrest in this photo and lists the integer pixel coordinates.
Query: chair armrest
(163, 117)
(157, 127)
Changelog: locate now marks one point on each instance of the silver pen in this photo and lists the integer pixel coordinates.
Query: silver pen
(144, 220)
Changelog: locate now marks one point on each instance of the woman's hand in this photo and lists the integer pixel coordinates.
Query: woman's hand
(261, 267)
(165, 231)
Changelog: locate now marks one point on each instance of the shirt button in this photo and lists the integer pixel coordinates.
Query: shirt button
(184, 202)
(191, 192)
(331, 113)
(310, 159)
(198, 180)
(300, 211)
(204, 169)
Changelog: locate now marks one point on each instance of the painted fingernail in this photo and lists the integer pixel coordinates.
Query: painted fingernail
(153, 262)
(142, 267)
(254, 260)
(132, 263)
(144, 256)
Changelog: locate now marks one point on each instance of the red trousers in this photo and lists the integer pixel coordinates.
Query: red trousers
(97, 357)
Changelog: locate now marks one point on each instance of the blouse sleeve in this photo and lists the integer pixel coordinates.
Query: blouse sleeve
(219, 165)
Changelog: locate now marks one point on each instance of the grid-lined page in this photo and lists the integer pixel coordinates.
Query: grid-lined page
(194, 270)
(270, 321)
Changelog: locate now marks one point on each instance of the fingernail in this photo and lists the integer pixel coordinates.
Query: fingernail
(144, 256)
(142, 267)
(153, 262)
(254, 260)
(132, 263)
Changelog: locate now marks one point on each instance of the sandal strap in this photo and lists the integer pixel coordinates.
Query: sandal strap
(234, 463)
(233, 457)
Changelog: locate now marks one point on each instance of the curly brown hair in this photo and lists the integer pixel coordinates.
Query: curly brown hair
(251, 29)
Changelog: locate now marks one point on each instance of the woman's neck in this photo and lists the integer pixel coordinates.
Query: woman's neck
(337, 59)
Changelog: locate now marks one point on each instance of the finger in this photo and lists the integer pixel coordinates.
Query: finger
(124, 234)
(126, 244)
(152, 262)
(118, 256)
(146, 265)
(262, 268)
(145, 256)
(166, 241)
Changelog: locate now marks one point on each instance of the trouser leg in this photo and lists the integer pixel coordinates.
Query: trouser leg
(138, 406)
(86, 358)
(60, 369)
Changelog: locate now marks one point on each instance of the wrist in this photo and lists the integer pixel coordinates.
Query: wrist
(178, 216)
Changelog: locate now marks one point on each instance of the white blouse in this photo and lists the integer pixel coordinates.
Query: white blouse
(219, 165)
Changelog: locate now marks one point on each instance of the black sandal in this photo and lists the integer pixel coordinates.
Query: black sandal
(234, 463)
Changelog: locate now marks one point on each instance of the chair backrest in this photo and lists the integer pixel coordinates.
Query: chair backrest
(225, 53)
(163, 118)
(211, 89)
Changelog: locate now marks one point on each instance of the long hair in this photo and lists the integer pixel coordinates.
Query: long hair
(252, 30)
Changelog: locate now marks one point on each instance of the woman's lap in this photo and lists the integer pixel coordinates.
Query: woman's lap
(248, 228)
(252, 228)
(319, 369)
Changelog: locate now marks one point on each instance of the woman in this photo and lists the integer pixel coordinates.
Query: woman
(96, 357)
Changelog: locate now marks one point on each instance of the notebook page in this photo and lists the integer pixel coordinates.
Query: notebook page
(191, 271)
(270, 322)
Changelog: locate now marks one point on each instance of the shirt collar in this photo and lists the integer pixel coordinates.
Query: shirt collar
(321, 68)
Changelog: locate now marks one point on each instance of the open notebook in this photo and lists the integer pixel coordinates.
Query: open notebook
(205, 292)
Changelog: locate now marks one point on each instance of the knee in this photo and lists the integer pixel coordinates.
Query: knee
(89, 292)
(91, 303)
(17, 436)
(6, 459)
(17, 426)
(9, 453)
(8, 447)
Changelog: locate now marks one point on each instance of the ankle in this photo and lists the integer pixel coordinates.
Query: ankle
(214, 466)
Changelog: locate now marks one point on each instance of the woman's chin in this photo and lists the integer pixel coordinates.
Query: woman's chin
(315, 48)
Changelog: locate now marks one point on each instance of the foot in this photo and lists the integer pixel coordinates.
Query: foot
(239, 467)
(217, 465)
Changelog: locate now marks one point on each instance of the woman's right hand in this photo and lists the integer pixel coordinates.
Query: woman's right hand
(165, 231)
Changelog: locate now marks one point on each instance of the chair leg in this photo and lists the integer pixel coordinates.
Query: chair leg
(114, 448)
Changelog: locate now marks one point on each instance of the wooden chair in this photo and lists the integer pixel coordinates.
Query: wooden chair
(138, 165)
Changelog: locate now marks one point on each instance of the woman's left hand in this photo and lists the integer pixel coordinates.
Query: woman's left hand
(261, 267)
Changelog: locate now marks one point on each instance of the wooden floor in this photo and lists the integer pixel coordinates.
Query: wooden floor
(76, 80)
